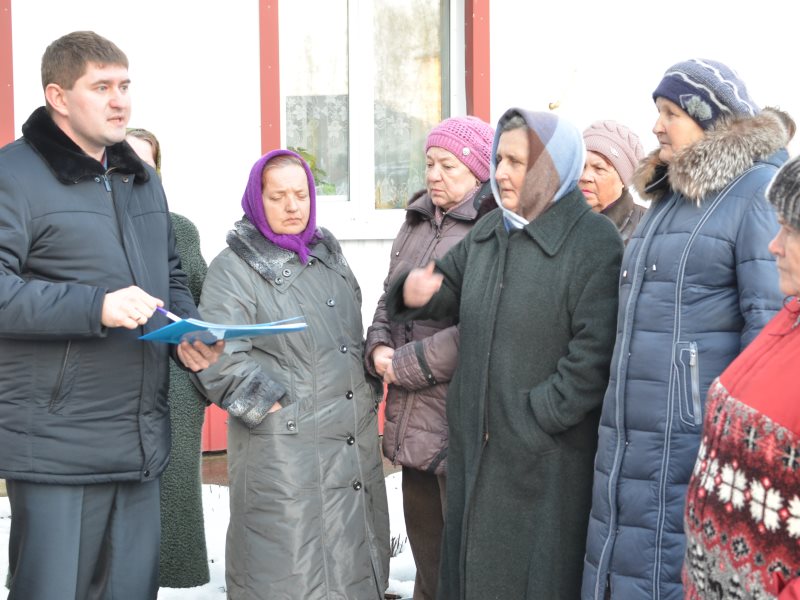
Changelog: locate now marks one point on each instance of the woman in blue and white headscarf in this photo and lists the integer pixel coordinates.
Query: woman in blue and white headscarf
(534, 286)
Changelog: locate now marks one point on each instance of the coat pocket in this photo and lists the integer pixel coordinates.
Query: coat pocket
(687, 383)
(283, 421)
(65, 379)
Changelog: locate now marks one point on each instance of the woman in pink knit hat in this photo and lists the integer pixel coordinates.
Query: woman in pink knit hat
(612, 153)
(418, 358)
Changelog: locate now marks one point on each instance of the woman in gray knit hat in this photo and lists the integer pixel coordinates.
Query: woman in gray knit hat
(612, 154)
(697, 285)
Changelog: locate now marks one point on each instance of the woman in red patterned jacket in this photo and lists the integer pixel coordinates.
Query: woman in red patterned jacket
(742, 515)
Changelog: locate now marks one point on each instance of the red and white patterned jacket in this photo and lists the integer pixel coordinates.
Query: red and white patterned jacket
(742, 515)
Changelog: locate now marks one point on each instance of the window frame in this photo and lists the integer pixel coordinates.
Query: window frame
(357, 217)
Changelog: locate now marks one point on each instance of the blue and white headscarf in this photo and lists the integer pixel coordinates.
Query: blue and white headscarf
(554, 144)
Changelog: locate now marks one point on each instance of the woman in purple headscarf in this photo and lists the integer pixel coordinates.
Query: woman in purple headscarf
(309, 516)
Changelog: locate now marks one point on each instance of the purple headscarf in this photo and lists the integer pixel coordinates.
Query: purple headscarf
(253, 205)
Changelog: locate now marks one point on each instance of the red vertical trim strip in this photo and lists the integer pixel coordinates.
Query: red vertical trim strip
(476, 13)
(6, 75)
(270, 75)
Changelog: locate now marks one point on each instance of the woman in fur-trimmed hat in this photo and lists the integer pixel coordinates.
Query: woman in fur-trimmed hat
(696, 287)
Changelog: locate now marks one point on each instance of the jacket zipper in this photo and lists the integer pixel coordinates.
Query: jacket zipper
(695, 374)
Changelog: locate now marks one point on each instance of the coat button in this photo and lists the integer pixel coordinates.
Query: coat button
(97, 180)
(343, 348)
(311, 262)
(278, 280)
(291, 425)
(124, 180)
(330, 302)
(357, 485)
(287, 272)
(350, 440)
(349, 395)
(147, 473)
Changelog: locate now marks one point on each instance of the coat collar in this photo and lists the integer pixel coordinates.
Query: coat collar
(268, 260)
(421, 206)
(620, 210)
(731, 147)
(550, 229)
(68, 162)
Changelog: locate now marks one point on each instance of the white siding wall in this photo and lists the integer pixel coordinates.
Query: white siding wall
(602, 60)
(195, 72)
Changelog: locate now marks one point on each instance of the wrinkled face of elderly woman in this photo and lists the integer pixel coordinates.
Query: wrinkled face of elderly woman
(600, 182)
(286, 199)
(447, 179)
(674, 128)
(511, 167)
(786, 248)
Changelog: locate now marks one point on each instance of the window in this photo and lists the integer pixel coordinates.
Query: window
(362, 83)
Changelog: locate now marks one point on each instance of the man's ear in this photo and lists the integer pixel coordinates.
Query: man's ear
(56, 99)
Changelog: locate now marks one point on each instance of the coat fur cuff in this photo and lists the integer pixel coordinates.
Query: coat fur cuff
(255, 400)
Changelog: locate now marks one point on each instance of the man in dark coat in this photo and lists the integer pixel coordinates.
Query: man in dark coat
(87, 254)
(534, 286)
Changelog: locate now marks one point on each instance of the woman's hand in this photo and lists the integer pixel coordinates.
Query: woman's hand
(275, 407)
(389, 376)
(382, 359)
(420, 286)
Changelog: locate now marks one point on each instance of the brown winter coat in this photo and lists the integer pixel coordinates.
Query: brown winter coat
(426, 351)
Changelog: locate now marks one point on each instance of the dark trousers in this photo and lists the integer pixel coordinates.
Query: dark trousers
(87, 542)
(423, 507)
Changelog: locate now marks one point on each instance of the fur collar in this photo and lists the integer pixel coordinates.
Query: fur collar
(731, 147)
(68, 162)
(268, 260)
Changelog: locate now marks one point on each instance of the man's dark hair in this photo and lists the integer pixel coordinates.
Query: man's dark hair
(64, 61)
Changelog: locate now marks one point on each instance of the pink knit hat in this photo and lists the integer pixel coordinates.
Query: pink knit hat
(469, 139)
(618, 144)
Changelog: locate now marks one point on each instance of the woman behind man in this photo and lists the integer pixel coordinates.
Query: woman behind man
(534, 287)
(417, 359)
(697, 286)
(183, 555)
(743, 506)
(309, 515)
(612, 154)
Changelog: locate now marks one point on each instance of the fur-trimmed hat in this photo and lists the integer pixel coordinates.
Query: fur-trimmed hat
(706, 90)
(618, 145)
(784, 192)
(469, 139)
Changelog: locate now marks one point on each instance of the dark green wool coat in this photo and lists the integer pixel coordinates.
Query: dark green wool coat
(184, 561)
(537, 310)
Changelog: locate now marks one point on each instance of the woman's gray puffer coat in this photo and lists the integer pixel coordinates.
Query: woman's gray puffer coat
(309, 515)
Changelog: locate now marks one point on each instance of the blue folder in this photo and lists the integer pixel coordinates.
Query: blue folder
(209, 333)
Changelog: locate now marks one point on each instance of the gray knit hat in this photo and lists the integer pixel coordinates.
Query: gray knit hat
(618, 144)
(706, 90)
(784, 192)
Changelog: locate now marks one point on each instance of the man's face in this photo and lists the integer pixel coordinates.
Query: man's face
(97, 109)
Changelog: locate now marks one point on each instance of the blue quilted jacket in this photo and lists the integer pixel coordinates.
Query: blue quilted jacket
(697, 284)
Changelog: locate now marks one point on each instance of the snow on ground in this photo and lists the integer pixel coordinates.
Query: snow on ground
(215, 508)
